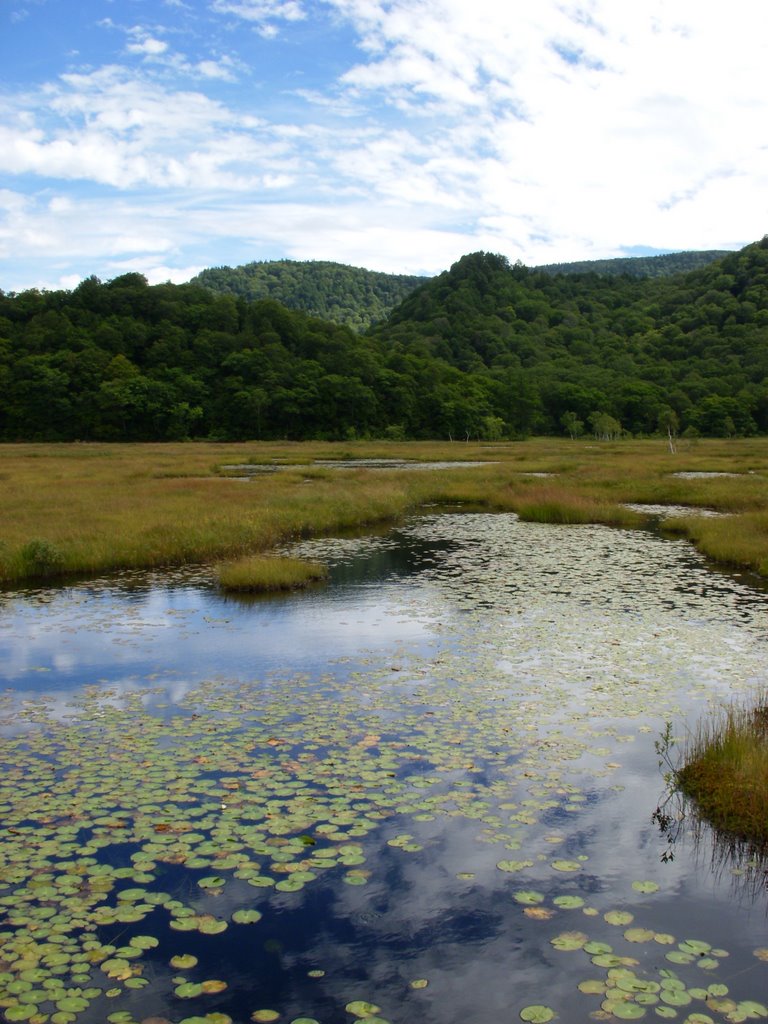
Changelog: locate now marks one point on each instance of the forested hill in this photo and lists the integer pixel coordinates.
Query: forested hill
(640, 266)
(360, 298)
(484, 350)
(333, 291)
(688, 351)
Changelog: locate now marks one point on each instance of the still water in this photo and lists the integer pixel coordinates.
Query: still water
(423, 792)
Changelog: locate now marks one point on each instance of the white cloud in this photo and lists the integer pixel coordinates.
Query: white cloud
(260, 10)
(114, 129)
(540, 129)
(149, 47)
(156, 274)
(222, 69)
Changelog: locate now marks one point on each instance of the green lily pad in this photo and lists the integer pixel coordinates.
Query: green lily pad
(514, 865)
(188, 990)
(361, 1008)
(645, 886)
(597, 948)
(22, 1011)
(568, 902)
(566, 865)
(569, 941)
(211, 926)
(751, 1008)
(619, 917)
(694, 946)
(592, 987)
(628, 1011)
(528, 897)
(183, 961)
(537, 1014)
(246, 916)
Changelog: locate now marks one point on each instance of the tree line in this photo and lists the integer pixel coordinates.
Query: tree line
(485, 350)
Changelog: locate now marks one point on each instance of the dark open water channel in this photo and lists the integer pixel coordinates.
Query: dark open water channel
(433, 779)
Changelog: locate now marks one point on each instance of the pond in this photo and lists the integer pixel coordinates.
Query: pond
(424, 792)
(249, 469)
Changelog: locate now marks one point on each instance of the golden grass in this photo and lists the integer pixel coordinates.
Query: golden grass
(725, 770)
(559, 504)
(263, 574)
(88, 508)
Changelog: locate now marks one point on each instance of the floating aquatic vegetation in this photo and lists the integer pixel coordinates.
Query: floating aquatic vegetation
(147, 832)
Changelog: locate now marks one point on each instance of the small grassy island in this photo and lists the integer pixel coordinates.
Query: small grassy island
(261, 575)
(725, 771)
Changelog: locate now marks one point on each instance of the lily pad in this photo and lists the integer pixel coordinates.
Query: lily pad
(246, 916)
(537, 1014)
(361, 1008)
(528, 897)
(619, 917)
(645, 886)
(568, 902)
(183, 961)
(514, 865)
(566, 865)
(569, 941)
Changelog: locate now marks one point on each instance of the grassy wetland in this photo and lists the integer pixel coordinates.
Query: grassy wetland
(85, 508)
(422, 792)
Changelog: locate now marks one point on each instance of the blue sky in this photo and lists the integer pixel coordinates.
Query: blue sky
(165, 136)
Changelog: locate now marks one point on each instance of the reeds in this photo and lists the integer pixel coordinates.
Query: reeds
(558, 504)
(733, 540)
(262, 574)
(725, 770)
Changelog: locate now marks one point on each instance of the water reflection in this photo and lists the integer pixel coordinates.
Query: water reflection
(472, 701)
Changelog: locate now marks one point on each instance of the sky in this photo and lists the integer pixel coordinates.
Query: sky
(166, 136)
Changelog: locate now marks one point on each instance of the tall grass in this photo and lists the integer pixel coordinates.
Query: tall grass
(559, 504)
(725, 770)
(735, 540)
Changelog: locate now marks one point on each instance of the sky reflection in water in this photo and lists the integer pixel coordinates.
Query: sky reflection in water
(556, 654)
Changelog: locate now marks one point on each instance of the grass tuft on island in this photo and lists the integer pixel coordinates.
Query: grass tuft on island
(725, 770)
(558, 505)
(265, 574)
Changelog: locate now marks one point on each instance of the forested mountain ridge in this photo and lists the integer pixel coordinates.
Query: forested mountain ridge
(640, 266)
(690, 350)
(485, 349)
(360, 298)
(333, 291)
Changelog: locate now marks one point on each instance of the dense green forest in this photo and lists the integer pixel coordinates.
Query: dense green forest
(333, 291)
(485, 349)
(361, 298)
(640, 266)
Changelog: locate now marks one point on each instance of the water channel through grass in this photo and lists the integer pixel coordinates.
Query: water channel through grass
(421, 792)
